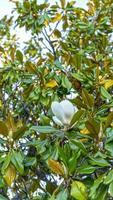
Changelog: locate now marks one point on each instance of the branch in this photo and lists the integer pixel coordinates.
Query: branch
(47, 37)
(46, 47)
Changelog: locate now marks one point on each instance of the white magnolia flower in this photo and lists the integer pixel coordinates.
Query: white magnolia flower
(72, 95)
(63, 112)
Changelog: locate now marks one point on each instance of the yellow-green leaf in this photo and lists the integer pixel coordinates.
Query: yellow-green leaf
(108, 84)
(84, 131)
(10, 123)
(3, 128)
(57, 33)
(30, 67)
(0, 104)
(109, 119)
(57, 17)
(63, 2)
(27, 91)
(10, 175)
(78, 190)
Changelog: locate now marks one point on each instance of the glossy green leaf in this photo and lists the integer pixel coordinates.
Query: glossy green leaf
(101, 193)
(99, 162)
(109, 177)
(62, 195)
(86, 169)
(17, 160)
(79, 144)
(105, 93)
(76, 117)
(6, 162)
(94, 188)
(44, 129)
(30, 161)
(66, 83)
(72, 162)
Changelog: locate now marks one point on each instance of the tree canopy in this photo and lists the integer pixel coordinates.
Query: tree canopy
(56, 102)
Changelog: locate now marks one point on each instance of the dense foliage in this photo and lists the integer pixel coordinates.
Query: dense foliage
(68, 56)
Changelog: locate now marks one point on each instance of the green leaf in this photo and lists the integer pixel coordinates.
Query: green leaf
(78, 190)
(110, 190)
(79, 144)
(2, 183)
(26, 5)
(79, 76)
(2, 141)
(6, 163)
(44, 120)
(109, 119)
(101, 192)
(17, 160)
(2, 197)
(52, 197)
(72, 162)
(30, 161)
(82, 25)
(93, 127)
(99, 162)
(19, 56)
(87, 98)
(19, 133)
(63, 195)
(41, 19)
(58, 64)
(76, 117)
(95, 186)
(109, 178)
(109, 147)
(66, 83)
(44, 129)
(62, 155)
(105, 93)
(78, 102)
(10, 175)
(30, 67)
(63, 2)
(57, 33)
(27, 92)
(86, 169)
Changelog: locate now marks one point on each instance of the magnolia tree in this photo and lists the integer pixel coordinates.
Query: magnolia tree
(56, 102)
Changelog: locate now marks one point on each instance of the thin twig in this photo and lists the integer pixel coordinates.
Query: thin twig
(45, 34)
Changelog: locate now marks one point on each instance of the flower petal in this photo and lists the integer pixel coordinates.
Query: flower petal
(72, 95)
(75, 109)
(57, 121)
(58, 111)
(68, 109)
